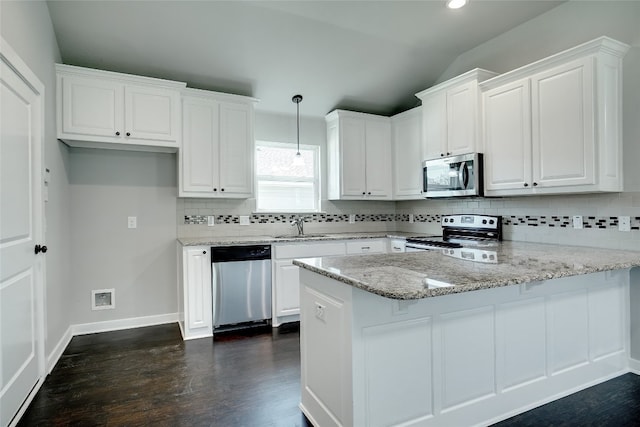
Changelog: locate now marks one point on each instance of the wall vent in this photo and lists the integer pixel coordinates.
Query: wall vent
(103, 299)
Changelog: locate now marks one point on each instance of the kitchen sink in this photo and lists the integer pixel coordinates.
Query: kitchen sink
(299, 236)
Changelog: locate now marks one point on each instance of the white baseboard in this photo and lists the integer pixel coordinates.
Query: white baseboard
(106, 326)
(57, 351)
(119, 324)
(634, 366)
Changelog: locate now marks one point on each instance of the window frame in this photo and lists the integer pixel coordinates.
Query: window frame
(316, 175)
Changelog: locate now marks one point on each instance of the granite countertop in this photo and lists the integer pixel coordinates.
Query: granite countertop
(311, 237)
(417, 275)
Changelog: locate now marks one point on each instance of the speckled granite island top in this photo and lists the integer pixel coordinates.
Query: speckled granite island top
(426, 274)
(311, 237)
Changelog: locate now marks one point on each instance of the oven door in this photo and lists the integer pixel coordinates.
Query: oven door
(453, 176)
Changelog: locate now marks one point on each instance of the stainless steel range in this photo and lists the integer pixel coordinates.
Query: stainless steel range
(468, 237)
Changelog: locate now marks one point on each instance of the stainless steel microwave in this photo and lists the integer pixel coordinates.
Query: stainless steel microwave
(453, 176)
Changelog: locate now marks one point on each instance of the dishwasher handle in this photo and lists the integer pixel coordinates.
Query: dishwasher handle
(240, 253)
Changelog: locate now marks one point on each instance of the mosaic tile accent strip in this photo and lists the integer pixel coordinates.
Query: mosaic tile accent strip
(287, 218)
(589, 222)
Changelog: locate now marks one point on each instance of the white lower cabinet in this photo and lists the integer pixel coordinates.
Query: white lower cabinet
(195, 300)
(286, 282)
(465, 359)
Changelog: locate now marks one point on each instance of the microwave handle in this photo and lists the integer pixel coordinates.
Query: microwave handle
(463, 175)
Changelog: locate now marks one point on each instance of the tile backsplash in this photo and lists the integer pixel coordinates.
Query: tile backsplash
(537, 218)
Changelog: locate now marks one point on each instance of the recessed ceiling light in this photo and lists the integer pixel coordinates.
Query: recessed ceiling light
(456, 4)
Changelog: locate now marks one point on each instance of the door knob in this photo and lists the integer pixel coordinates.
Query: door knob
(39, 249)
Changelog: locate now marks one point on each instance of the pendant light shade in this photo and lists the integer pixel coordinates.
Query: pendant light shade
(298, 161)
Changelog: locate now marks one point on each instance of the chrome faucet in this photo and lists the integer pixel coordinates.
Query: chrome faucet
(299, 222)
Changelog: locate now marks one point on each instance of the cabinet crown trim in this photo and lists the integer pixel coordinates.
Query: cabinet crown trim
(601, 45)
(217, 96)
(478, 74)
(111, 75)
(335, 114)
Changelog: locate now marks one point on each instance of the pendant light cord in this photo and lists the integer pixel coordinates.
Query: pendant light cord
(297, 99)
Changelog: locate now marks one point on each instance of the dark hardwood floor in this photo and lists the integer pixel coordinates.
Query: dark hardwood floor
(149, 376)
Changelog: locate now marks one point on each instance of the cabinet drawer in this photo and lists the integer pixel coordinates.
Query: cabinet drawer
(366, 247)
(304, 250)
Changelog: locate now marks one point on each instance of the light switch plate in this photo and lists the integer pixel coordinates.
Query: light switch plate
(211, 220)
(132, 222)
(352, 218)
(624, 223)
(577, 221)
(244, 220)
(411, 218)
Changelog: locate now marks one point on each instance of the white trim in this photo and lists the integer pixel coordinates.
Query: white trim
(57, 351)
(634, 366)
(119, 324)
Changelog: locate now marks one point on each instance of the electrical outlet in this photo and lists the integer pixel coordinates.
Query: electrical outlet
(244, 220)
(352, 218)
(411, 218)
(320, 311)
(132, 222)
(577, 221)
(624, 223)
(211, 220)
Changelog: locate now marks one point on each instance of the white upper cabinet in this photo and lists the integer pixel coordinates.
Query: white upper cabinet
(407, 154)
(216, 159)
(451, 115)
(102, 109)
(554, 126)
(359, 156)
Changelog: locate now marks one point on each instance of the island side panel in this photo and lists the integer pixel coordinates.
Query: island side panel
(476, 357)
(325, 350)
(634, 308)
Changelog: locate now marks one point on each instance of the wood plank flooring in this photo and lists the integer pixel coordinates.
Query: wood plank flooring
(150, 377)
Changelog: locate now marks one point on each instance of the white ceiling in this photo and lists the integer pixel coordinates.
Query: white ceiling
(370, 56)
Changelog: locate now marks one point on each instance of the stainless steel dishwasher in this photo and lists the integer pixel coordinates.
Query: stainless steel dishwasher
(241, 285)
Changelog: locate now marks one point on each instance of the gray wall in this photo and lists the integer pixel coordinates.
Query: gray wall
(26, 26)
(107, 186)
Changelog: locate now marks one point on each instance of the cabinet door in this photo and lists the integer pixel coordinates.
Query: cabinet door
(434, 126)
(199, 146)
(507, 136)
(378, 159)
(236, 149)
(287, 288)
(352, 161)
(198, 299)
(563, 128)
(92, 107)
(151, 113)
(461, 118)
(407, 157)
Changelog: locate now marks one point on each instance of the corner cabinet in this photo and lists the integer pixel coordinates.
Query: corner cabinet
(406, 129)
(216, 159)
(195, 296)
(359, 150)
(101, 109)
(554, 126)
(451, 115)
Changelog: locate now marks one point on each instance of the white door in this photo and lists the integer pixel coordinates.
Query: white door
(434, 126)
(507, 136)
(378, 159)
(151, 113)
(21, 270)
(236, 149)
(352, 150)
(563, 128)
(92, 107)
(461, 119)
(200, 146)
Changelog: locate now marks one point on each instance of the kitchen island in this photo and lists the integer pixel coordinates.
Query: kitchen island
(431, 340)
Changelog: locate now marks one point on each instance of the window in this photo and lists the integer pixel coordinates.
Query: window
(285, 183)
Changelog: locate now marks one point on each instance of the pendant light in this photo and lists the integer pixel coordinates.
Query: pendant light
(298, 160)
